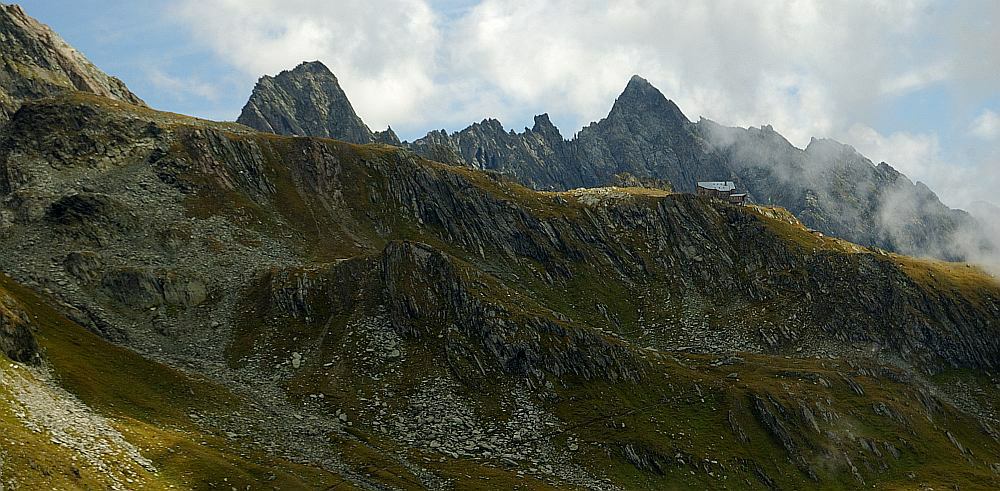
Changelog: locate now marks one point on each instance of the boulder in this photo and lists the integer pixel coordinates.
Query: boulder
(143, 289)
(16, 339)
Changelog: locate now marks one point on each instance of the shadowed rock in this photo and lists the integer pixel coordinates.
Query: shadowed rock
(16, 340)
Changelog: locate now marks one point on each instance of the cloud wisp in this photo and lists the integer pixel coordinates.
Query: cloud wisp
(181, 87)
(986, 125)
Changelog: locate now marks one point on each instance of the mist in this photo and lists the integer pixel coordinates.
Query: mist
(830, 186)
(987, 223)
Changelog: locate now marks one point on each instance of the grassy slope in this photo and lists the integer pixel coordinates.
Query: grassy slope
(326, 237)
(149, 403)
(295, 208)
(683, 411)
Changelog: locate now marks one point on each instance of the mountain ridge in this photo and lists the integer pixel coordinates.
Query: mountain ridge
(827, 184)
(46, 65)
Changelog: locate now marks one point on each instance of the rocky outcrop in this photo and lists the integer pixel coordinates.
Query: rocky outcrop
(426, 295)
(84, 265)
(731, 258)
(91, 216)
(142, 289)
(16, 339)
(387, 137)
(646, 135)
(307, 101)
(538, 157)
(37, 63)
(772, 423)
(657, 255)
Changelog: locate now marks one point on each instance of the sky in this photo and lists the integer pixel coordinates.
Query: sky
(915, 83)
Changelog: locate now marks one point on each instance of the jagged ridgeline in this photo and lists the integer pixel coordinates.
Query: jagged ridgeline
(828, 185)
(193, 304)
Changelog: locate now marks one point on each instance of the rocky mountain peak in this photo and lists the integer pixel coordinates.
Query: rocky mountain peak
(636, 82)
(827, 146)
(316, 67)
(640, 97)
(387, 137)
(492, 125)
(305, 101)
(542, 120)
(37, 63)
(645, 135)
(543, 126)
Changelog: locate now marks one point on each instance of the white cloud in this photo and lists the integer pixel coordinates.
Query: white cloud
(915, 79)
(383, 51)
(958, 180)
(181, 87)
(912, 154)
(789, 63)
(986, 126)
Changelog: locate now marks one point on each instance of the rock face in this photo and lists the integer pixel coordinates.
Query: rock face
(428, 294)
(307, 101)
(144, 289)
(16, 340)
(539, 157)
(645, 135)
(37, 63)
(829, 186)
(685, 252)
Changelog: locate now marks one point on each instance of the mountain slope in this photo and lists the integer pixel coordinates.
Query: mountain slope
(95, 415)
(646, 135)
(775, 417)
(409, 311)
(38, 63)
